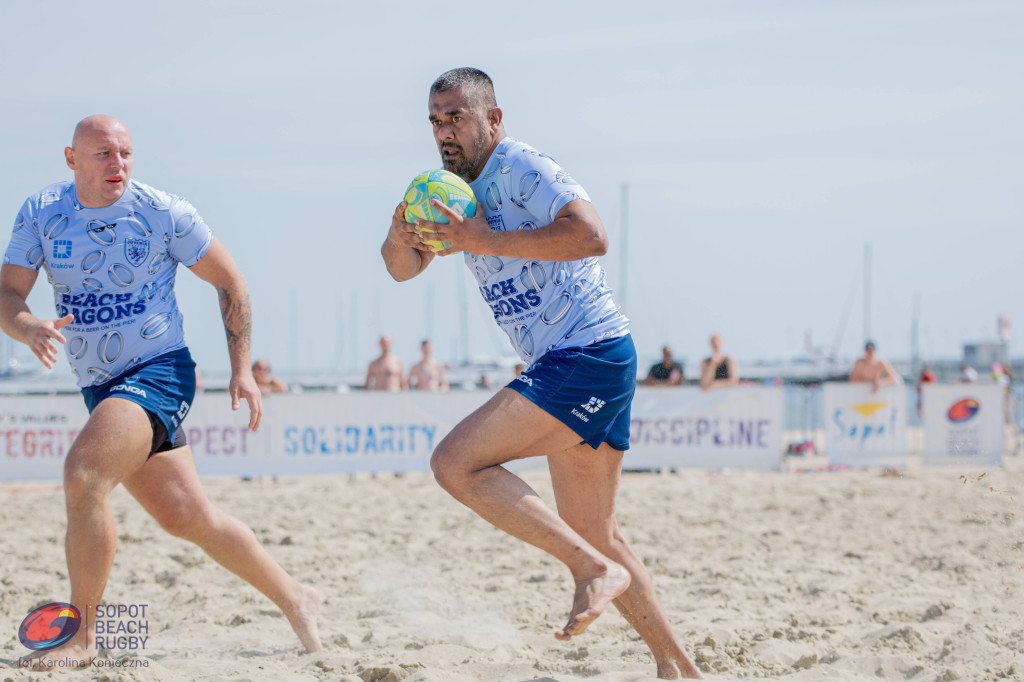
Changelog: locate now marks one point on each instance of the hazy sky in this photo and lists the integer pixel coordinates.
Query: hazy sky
(764, 145)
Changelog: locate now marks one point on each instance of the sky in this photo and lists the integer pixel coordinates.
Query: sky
(744, 158)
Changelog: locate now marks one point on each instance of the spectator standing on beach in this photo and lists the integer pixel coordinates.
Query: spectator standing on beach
(719, 370)
(267, 383)
(428, 373)
(111, 247)
(1002, 375)
(927, 376)
(968, 375)
(668, 372)
(873, 369)
(385, 373)
(573, 403)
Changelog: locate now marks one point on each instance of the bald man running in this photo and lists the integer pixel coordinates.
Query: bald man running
(111, 247)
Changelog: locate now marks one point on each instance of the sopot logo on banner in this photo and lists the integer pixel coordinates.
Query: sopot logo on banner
(963, 410)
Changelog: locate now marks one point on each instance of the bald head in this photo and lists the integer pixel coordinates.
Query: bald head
(101, 157)
(97, 124)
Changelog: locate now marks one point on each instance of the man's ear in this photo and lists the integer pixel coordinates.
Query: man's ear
(69, 157)
(494, 116)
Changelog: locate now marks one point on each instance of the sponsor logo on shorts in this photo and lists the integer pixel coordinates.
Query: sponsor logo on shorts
(130, 389)
(177, 417)
(593, 406)
(49, 626)
(577, 413)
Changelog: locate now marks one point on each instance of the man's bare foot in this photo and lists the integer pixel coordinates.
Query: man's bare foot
(591, 598)
(70, 656)
(303, 619)
(677, 670)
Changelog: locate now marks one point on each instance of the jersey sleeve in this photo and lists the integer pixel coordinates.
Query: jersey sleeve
(25, 248)
(190, 236)
(541, 187)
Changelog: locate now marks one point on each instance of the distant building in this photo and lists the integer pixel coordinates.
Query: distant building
(985, 353)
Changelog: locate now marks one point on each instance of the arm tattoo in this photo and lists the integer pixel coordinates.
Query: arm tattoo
(237, 313)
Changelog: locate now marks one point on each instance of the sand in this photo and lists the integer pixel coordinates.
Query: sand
(850, 575)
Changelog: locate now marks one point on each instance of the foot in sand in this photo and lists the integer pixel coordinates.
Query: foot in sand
(678, 670)
(74, 654)
(303, 618)
(591, 598)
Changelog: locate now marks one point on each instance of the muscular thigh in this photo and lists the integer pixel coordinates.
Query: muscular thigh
(114, 442)
(506, 427)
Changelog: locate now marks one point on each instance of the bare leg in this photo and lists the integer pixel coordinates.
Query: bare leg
(168, 487)
(467, 464)
(585, 484)
(112, 444)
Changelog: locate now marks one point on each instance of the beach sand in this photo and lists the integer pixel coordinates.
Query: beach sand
(848, 575)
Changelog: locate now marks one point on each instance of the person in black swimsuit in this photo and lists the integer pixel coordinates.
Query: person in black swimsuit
(718, 370)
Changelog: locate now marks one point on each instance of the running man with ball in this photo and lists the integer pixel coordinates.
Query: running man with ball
(533, 247)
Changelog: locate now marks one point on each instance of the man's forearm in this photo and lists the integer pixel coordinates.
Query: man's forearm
(402, 262)
(236, 310)
(15, 317)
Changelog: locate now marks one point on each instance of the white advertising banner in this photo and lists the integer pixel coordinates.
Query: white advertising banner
(35, 434)
(864, 427)
(963, 423)
(320, 432)
(686, 427)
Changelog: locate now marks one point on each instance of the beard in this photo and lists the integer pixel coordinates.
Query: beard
(464, 164)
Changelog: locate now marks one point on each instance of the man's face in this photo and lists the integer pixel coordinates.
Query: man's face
(102, 161)
(462, 132)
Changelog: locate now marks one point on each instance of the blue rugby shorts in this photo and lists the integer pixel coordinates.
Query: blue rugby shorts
(588, 389)
(164, 387)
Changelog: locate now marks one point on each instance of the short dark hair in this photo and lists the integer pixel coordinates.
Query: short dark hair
(478, 83)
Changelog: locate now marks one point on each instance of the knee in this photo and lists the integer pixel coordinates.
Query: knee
(447, 473)
(83, 483)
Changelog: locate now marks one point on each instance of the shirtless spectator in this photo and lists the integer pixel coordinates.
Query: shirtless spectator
(718, 370)
(872, 369)
(668, 372)
(428, 373)
(267, 383)
(386, 372)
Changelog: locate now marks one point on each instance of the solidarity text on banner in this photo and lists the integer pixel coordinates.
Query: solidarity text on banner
(321, 432)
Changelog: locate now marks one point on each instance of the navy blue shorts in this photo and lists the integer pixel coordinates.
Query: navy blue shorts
(588, 389)
(164, 387)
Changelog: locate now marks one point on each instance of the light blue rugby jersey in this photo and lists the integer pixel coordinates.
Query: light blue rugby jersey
(113, 268)
(541, 305)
